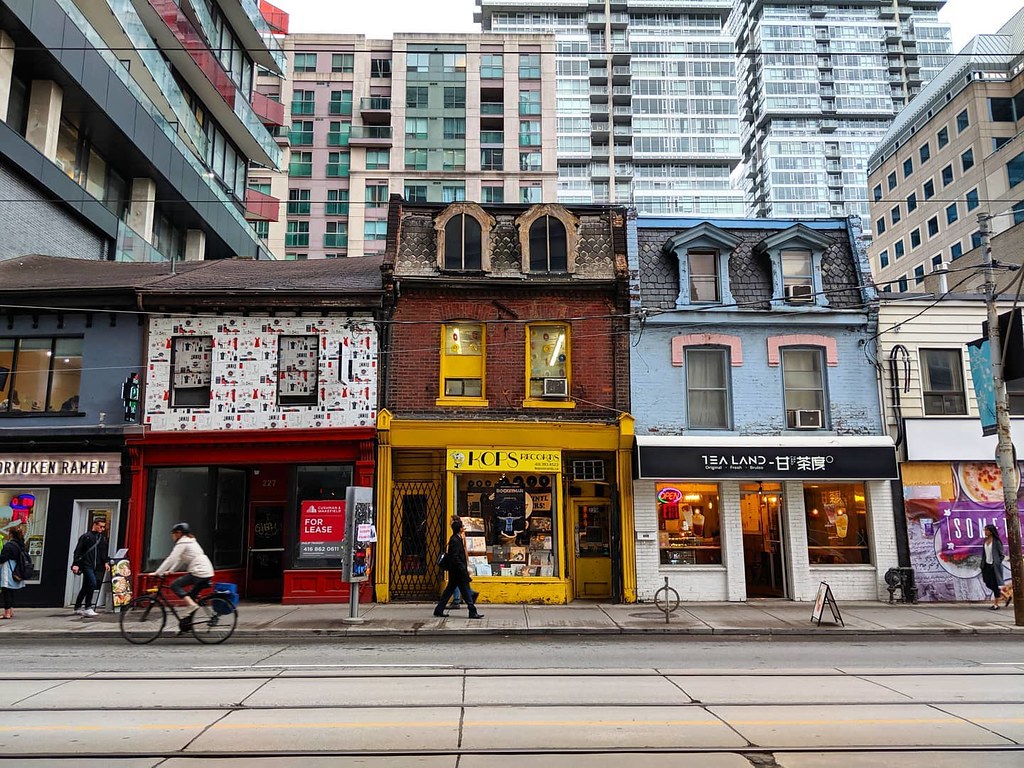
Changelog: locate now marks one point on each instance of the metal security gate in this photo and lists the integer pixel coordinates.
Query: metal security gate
(416, 541)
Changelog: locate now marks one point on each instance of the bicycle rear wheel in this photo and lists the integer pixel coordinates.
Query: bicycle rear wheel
(143, 620)
(214, 620)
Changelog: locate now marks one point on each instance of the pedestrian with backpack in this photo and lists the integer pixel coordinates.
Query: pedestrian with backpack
(15, 568)
(92, 561)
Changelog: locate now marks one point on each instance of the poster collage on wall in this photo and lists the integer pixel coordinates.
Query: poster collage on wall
(947, 508)
(325, 377)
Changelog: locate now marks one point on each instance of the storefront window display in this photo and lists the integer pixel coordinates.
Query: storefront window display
(29, 506)
(322, 487)
(510, 524)
(837, 524)
(688, 523)
(210, 499)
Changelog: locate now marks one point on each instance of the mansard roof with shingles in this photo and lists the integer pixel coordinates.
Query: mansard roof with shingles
(413, 248)
(750, 273)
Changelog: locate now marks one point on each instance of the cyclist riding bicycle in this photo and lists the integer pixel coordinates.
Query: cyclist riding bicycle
(188, 556)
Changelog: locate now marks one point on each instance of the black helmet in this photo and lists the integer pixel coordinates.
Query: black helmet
(181, 528)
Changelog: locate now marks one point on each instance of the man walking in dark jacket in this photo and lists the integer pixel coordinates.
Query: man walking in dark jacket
(92, 561)
(458, 574)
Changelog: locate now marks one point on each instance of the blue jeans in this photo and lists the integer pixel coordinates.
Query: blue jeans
(89, 584)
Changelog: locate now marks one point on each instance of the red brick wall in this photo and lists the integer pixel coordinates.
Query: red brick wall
(599, 354)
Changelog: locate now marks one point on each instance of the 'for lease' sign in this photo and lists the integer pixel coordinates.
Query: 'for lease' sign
(322, 528)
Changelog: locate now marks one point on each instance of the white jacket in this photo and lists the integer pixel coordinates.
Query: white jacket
(187, 555)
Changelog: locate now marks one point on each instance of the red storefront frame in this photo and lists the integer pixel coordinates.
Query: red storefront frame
(251, 448)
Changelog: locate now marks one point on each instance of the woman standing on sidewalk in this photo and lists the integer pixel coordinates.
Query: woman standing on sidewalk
(992, 567)
(10, 558)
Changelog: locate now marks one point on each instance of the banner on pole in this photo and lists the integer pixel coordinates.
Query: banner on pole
(979, 353)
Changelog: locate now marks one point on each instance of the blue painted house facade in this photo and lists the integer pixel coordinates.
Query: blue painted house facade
(763, 468)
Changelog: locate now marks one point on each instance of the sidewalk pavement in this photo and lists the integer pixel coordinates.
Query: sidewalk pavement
(754, 618)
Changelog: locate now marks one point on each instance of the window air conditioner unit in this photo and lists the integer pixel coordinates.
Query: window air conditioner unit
(799, 293)
(556, 387)
(807, 419)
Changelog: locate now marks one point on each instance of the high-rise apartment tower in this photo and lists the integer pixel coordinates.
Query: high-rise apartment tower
(435, 118)
(716, 108)
(820, 84)
(647, 108)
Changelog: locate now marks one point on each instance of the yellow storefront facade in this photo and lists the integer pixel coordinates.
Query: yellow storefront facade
(547, 508)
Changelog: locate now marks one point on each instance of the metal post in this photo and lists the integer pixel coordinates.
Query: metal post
(1004, 445)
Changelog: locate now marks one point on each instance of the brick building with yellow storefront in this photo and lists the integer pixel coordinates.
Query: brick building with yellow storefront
(505, 397)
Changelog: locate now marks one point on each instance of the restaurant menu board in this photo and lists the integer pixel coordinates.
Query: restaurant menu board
(121, 582)
(298, 362)
(322, 528)
(947, 508)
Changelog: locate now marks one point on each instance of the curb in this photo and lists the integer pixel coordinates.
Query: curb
(270, 634)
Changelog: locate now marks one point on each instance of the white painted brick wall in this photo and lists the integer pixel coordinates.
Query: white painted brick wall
(694, 583)
(795, 525)
(728, 581)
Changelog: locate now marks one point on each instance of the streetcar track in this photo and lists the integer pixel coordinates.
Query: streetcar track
(361, 671)
(513, 705)
(510, 752)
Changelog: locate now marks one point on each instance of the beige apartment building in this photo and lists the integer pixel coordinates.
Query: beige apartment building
(955, 152)
(434, 118)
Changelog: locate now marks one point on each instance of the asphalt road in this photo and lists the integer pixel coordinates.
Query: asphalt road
(528, 702)
(499, 652)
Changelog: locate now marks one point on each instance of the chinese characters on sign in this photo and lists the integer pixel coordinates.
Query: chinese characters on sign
(665, 461)
(715, 462)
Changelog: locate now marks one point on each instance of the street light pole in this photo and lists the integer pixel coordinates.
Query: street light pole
(1004, 441)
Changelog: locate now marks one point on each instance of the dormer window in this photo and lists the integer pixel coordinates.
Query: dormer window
(703, 255)
(797, 276)
(548, 247)
(548, 237)
(463, 248)
(703, 277)
(464, 238)
(795, 256)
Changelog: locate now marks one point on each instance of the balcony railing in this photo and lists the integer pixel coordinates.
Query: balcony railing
(184, 134)
(491, 109)
(270, 112)
(261, 206)
(370, 134)
(131, 246)
(375, 103)
(277, 19)
(337, 240)
(300, 170)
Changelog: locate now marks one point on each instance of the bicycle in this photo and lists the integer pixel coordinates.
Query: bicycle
(144, 618)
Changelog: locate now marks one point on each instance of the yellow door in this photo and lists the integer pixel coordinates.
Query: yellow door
(592, 535)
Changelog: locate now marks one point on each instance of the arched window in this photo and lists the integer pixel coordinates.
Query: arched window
(463, 248)
(549, 250)
(464, 238)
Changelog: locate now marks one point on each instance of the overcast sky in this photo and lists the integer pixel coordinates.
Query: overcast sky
(382, 18)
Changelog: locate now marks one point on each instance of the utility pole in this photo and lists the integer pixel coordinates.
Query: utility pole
(1004, 441)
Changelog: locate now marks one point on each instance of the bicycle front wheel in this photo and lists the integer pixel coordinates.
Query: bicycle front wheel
(214, 620)
(143, 620)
